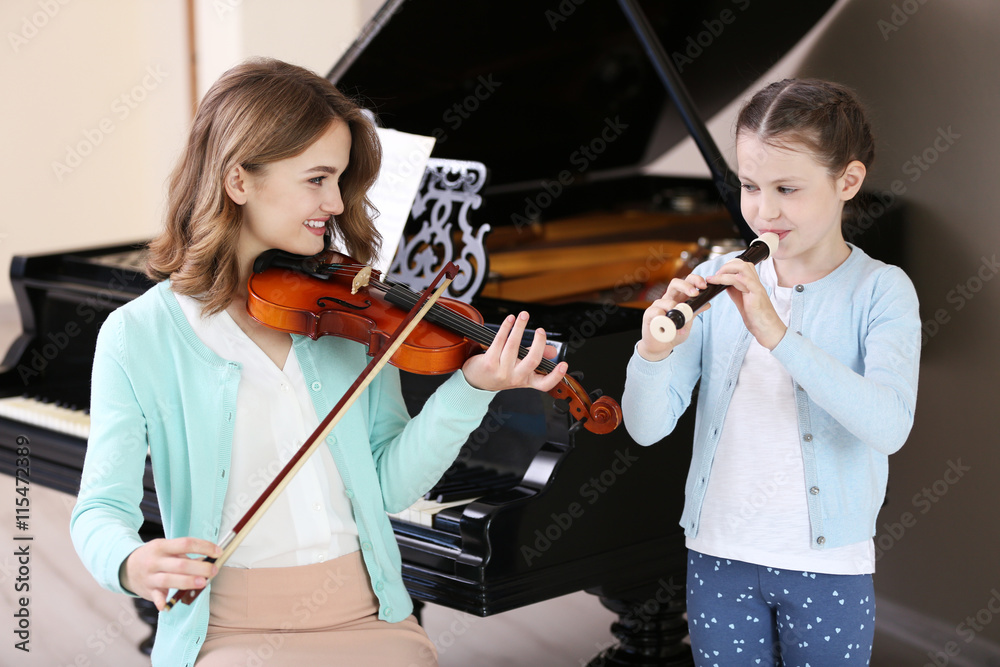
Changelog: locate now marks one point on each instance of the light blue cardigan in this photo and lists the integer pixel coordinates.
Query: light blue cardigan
(155, 383)
(852, 349)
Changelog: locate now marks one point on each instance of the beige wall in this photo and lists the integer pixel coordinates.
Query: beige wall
(305, 32)
(97, 103)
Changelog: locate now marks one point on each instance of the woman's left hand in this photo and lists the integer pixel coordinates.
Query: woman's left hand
(499, 368)
(752, 301)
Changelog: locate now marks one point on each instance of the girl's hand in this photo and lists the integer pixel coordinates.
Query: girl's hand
(160, 565)
(678, 291)
(752, 301)
(499, 368)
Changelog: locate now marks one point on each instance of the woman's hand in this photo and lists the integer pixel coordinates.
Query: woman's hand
(160, 565)
(678, 291)
(752, 301)
(499, 368)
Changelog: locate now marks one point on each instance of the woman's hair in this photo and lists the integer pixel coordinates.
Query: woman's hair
(827, 118)
(259, 112)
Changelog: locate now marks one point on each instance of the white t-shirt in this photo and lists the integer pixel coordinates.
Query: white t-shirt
(755, 505)
(311, 520)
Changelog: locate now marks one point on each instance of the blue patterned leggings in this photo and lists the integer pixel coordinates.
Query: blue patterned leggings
(745, 614)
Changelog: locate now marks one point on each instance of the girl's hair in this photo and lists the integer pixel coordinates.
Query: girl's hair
(827, 118)
(259, 112)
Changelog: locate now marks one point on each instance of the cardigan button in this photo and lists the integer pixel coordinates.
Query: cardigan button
(799, 288)
(814, 490)
(316, 386)
(820, 540)
(808, 437)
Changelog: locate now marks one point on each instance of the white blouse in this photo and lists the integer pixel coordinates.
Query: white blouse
(311, 520)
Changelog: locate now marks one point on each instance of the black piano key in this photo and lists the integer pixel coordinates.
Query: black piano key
(496, 482)
(449, 496)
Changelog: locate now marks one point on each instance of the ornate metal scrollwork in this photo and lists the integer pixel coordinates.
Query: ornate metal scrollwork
(448, 191)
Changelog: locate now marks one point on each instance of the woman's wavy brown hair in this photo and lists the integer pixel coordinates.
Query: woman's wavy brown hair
(259, 112)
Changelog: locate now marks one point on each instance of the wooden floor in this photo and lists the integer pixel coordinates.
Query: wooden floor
(75, 622)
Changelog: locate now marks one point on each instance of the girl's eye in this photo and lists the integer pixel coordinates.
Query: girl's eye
(748, 187)
(786, 191)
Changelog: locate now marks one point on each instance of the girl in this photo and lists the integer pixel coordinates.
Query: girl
(277, 158)
(808, 382)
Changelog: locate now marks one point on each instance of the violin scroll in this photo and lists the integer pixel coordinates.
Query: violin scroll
(605, 416)
(599, 416)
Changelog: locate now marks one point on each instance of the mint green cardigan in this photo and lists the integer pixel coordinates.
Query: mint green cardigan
(156, 385)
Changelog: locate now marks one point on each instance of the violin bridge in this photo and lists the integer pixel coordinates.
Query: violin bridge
(361, 279)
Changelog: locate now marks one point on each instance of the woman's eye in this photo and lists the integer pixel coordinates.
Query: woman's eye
(317, 180)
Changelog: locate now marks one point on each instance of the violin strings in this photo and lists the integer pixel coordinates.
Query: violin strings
(442, 314)
(462, 325)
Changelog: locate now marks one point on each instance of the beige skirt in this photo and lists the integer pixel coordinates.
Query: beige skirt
(323, 614)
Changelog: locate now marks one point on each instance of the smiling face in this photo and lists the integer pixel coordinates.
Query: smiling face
(785, 190)
(289, 204)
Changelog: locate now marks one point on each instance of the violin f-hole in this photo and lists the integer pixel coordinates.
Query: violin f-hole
(324, 301)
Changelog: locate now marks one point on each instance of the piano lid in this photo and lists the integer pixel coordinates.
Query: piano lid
(522, 85)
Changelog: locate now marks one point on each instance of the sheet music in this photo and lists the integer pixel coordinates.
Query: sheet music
(404, 159)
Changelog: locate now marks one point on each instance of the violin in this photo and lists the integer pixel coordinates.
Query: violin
(315, 297)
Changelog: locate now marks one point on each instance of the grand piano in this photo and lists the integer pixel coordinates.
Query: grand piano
(564, 103)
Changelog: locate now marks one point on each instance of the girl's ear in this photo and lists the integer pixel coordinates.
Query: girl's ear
(850, 181)
(236, 185)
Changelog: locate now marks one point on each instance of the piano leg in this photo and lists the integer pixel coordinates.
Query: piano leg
(147, 614)
(651, 626)
(418, 608)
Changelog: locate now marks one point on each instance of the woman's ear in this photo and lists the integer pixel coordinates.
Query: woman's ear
(850, 181)
(236, 185)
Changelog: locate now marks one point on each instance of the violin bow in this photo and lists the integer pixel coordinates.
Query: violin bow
(284, 477)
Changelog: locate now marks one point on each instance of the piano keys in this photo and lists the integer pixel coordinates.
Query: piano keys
(45, 377)
(46, 415)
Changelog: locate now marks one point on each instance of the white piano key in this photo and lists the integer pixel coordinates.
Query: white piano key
(422, 512)
(46, 415)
